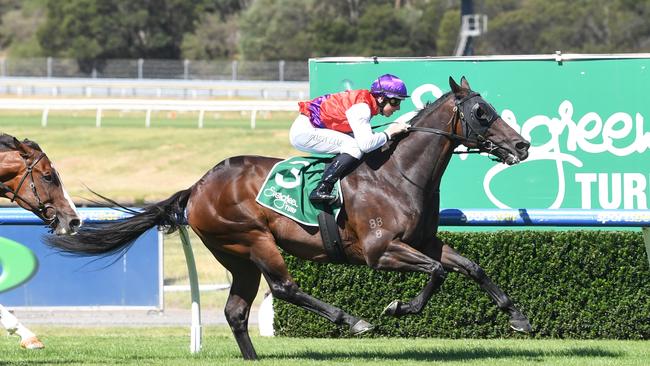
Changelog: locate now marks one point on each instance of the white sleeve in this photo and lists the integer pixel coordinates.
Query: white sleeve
(359, 118)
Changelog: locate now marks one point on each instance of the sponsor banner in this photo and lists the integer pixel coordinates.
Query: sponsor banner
(33, 275)
(585, 117)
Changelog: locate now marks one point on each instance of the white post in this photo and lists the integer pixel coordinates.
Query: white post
(49, 67)
(253, 117)
(44, 117)
(147, 121)
(98, 118)
(195, 329)
(140, 68)
(281, 70)
(201, 115)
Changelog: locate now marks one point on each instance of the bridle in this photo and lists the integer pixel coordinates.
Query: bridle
(475, 118)
(40, 209)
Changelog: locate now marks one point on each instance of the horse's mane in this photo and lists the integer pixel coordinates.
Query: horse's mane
(428, 107)
(7, 143)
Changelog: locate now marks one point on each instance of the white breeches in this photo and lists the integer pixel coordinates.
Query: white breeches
(305, 137)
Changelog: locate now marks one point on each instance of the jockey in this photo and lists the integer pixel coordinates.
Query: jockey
(340, 124)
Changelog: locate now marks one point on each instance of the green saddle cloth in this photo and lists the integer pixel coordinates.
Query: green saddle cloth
(287, 187)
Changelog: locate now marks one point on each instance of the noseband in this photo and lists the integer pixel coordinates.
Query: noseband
(475, 118)
(39, 209)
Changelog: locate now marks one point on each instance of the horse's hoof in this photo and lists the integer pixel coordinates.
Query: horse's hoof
(391, 309)
(521, 324)
(32, 343)
(361, 327)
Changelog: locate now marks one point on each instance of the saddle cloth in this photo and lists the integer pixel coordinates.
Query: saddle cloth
(287, 187)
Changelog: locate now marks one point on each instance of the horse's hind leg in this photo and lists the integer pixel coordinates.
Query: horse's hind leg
(283, 287)
(245, 283)
(452, 260)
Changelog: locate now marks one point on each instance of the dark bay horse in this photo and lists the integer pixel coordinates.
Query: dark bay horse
(390, 219)
(28, 177)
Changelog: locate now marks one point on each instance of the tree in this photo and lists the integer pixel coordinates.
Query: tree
(214, 38)
(18, 21)
(276, 30)
(597, 26)
(448, 32)
(383, 31)
(95, 30)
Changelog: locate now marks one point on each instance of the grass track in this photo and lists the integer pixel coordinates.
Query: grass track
(170, 346)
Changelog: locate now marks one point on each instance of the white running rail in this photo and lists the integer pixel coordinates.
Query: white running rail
(147, 105)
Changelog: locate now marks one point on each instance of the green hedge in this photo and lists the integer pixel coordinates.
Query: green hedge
(570, 284)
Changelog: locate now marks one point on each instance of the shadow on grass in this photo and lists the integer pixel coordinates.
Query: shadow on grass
(454, 354)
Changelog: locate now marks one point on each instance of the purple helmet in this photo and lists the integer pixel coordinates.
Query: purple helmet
(389, 86)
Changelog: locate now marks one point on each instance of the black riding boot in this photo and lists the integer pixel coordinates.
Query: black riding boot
(338, 168)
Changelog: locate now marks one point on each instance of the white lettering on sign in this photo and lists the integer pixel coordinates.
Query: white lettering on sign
(614, 188)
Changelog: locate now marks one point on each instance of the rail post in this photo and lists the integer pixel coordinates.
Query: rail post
(195, 329)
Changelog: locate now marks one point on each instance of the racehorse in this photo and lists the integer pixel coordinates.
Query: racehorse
(397, 187)
(28, 177)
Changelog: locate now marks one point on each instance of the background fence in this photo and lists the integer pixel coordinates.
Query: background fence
(158, 69)
(152, 88)
(99, 105)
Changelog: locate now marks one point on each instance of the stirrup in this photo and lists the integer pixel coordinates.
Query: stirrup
(322, 197)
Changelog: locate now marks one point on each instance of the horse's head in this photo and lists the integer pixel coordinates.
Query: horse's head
(482, 127)
(28, 177)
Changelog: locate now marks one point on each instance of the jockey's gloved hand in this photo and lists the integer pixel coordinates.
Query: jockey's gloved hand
(395, 129)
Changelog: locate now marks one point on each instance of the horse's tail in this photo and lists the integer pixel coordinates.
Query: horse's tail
(118, 236)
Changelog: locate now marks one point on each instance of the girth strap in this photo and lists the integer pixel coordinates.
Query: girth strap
(332, 242)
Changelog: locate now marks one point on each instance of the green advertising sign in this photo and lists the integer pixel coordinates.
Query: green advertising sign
(585, 117)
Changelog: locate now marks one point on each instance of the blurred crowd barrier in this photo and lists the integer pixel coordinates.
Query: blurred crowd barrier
(175, 79)
(156, 69)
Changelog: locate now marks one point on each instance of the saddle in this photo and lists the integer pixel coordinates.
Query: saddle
(286, 191)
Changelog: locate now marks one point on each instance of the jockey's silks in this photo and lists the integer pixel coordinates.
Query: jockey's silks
(328, 111)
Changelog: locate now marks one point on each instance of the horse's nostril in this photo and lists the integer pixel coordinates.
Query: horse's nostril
(522, 145)
(75, 223)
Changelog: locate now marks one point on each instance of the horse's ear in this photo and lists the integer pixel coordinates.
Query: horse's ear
(22, 148)
(464, 83)
(453, 85)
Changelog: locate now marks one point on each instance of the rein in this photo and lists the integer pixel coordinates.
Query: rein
(41, 209)
(484, 145)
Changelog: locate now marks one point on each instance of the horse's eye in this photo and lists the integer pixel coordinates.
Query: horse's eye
(48, 178)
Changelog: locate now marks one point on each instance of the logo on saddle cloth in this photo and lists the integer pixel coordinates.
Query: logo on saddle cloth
(287, 187)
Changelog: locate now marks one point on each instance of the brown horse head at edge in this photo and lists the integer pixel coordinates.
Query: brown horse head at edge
(28, 177)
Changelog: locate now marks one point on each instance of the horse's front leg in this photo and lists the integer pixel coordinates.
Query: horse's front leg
(452, 260)
(399, 256)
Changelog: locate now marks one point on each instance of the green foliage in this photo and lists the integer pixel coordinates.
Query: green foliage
(95, 30)
(18, 22)
(571, 284)
(448, 33)
(383, 31)
(526, 27)
(275, 30)
(214, 38)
